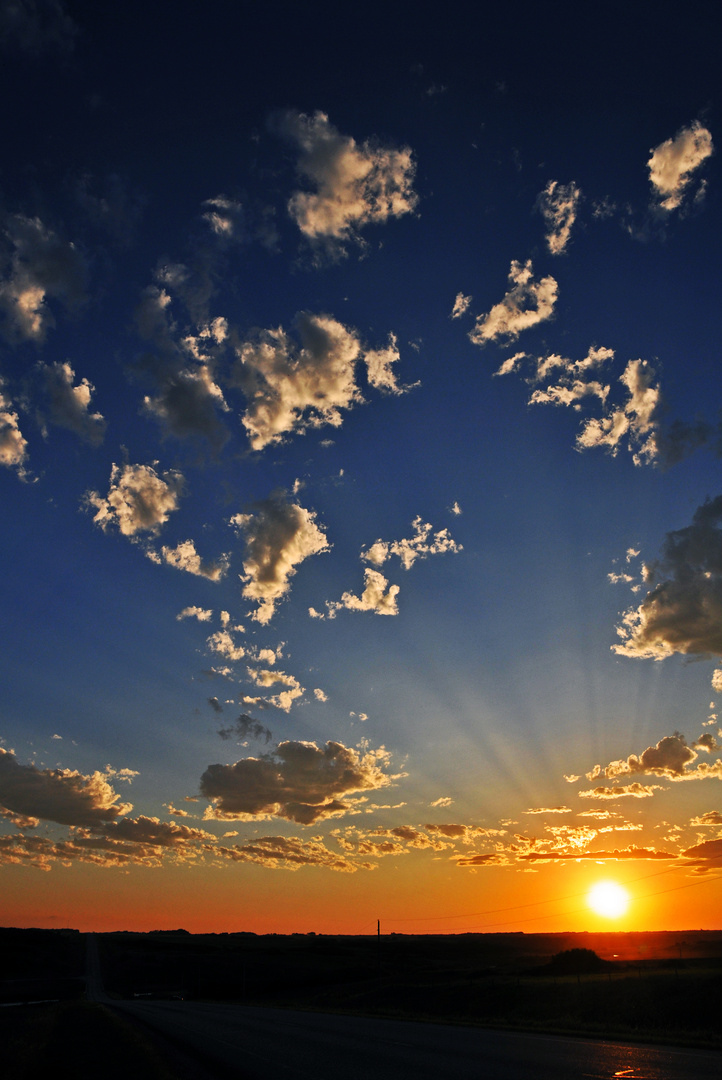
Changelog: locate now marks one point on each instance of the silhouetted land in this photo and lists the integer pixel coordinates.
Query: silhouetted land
(664, 986)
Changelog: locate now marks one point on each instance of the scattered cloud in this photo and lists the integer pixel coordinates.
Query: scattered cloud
(138, 499)
(13, 444)
(298, 781)
(419, 546)
(526, 304)
(194, 612)
(559, 205)
(673, 163)
(355, 184)
(461, 305)
(279, 536)
(70, 405)
(246, 727)
(375, 597)
(633, 791)
(42, 265)
(185, 557)
(287, 853)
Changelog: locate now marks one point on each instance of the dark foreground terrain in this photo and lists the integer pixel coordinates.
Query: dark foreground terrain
(660, 987)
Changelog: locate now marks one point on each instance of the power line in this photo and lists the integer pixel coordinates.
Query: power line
(537, 903)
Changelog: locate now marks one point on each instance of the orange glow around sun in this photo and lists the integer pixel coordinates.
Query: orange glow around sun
(608, 899)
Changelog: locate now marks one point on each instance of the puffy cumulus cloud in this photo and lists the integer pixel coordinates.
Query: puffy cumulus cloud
(559, 205)
(279, 535)
(284, 698)
(69, 404)
(682, 612)
(138, 499)
(13, 444)
(461, 305)
(222, 642)
(526, 304)
(670, 757)
(195, 612)
(36, 27)
(636, 421)
(381, 841)
(287, 853)
(185, 557)
(632, 791)
(673, 163)
(40, 265)
(355, 185)
(444, 800)
(419, 546)
(290, 388)
(245, 727)
(298, 781)
(375, 597)
(60, 795)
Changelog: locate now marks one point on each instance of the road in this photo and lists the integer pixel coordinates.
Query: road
(280, 1044)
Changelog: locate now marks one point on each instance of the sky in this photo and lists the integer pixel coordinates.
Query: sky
(360, 466)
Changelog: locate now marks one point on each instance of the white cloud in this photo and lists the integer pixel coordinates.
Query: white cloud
(673, 162)
(279, 536)
(298, 781)
(202, 614)
(283, 699)
(419, 546)
(682, 612)
(291, 389)
(373, 598)
(185, 557)
(559, 204)
(138, 499)
(70, 405)
(13, 444)
(637, 420)
(42, 265)
(526, 304)
(355, 185)
(379, 370)
(461, 305)
(222, 642)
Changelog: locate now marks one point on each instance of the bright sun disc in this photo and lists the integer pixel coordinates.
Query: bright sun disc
(608, 899)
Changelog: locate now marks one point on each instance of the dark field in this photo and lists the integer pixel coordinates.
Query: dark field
(653, 986)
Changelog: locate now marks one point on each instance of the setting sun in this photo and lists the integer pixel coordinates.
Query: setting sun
(608, 899)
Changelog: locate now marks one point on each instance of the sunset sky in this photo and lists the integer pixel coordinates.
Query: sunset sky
(360, 442)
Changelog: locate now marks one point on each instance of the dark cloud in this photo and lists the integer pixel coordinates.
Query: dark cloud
(61, 795)
(683, 611)
(244, 727)
(299, 781)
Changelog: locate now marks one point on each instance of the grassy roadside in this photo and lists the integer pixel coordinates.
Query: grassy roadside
(85, 1037)
(677, 1008)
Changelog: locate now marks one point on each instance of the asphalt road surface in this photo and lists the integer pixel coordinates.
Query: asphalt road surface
(280, 1044)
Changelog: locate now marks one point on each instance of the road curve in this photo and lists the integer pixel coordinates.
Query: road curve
(281, 1044)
